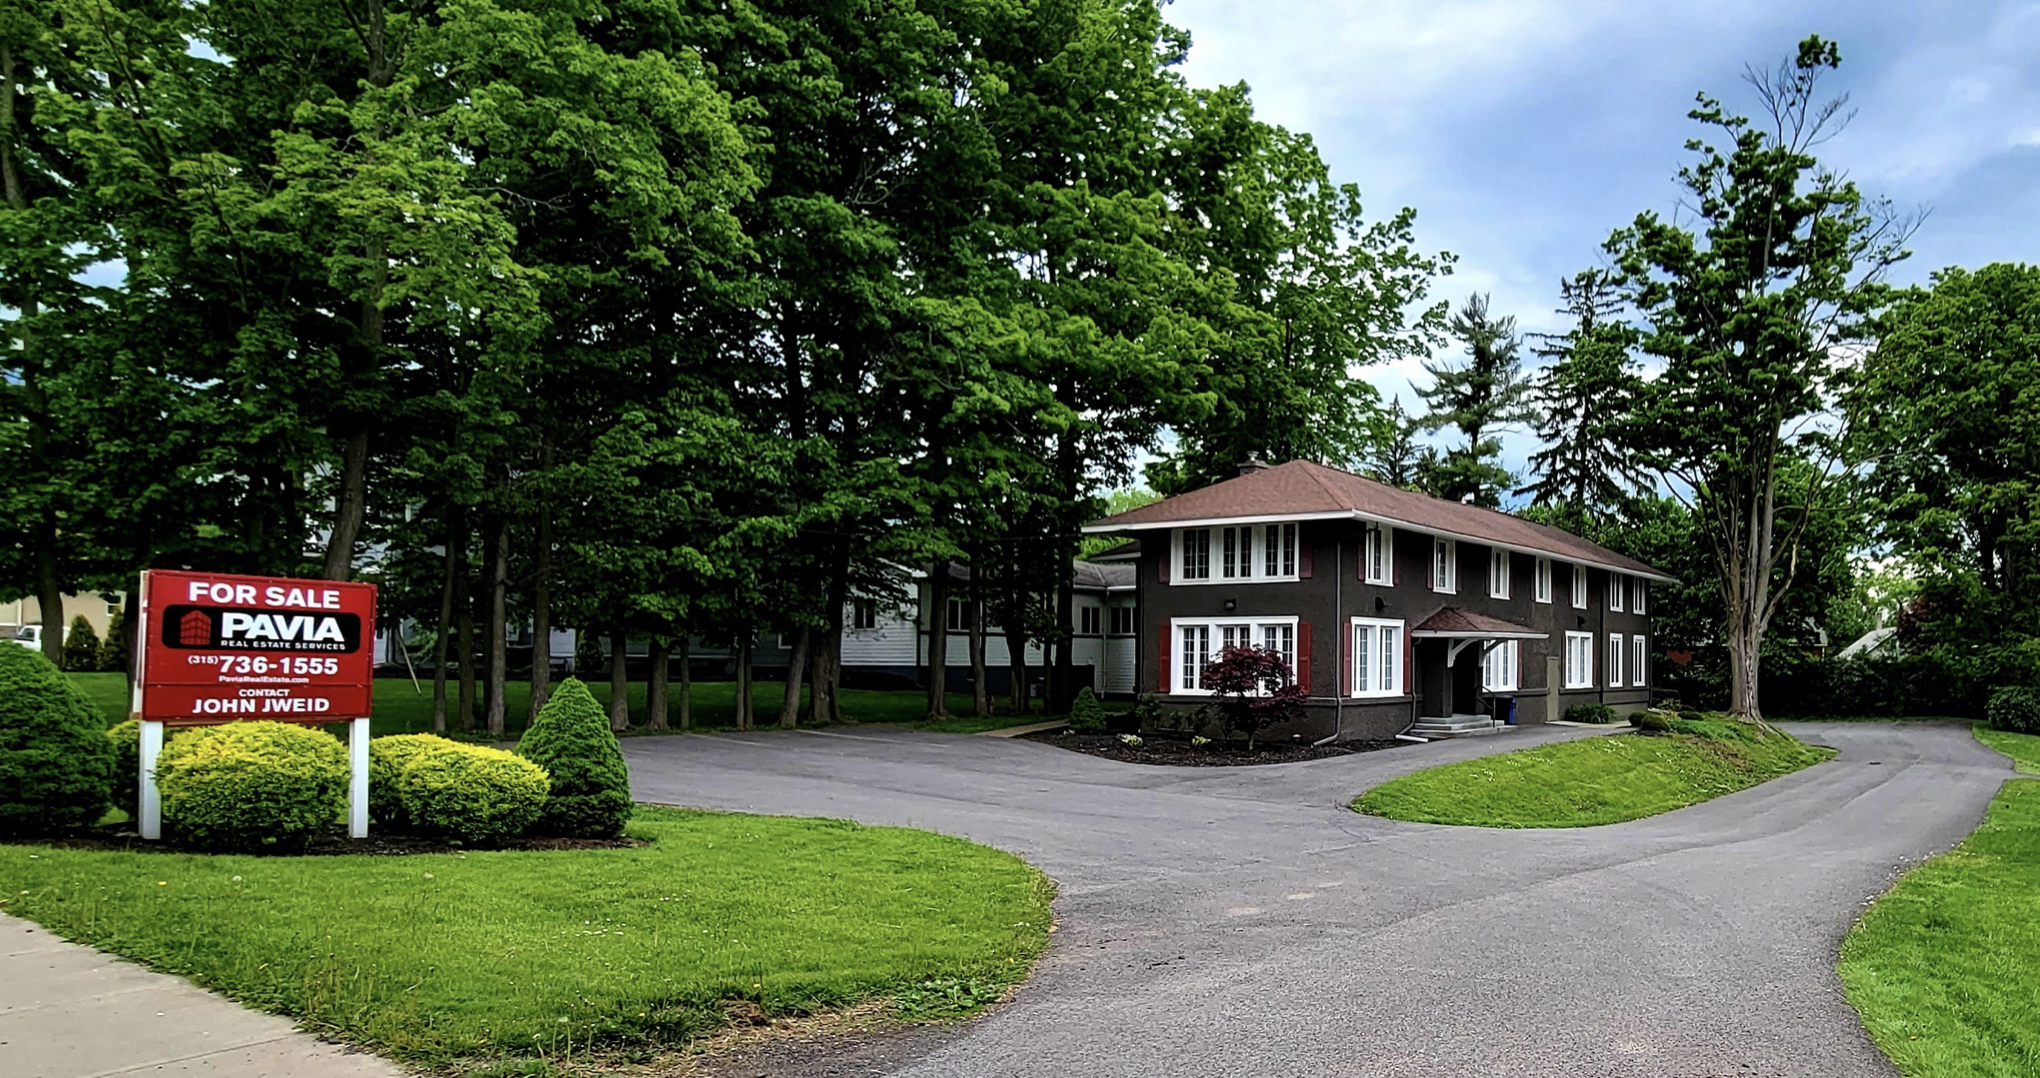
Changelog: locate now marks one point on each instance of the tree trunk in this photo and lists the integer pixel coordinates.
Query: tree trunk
(826, 664)
(686, 683)
(619, 681)
(352, 504)
(1016, 665)
(796, 672)
(499, 630)
(1065, 631)
(466, 719)
(744, 641)
(938, 640)
(981, 690)
(49, 591)
(454, 544)
(541, 607)
(655, 685)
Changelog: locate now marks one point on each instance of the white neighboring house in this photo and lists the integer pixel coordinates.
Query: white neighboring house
(1874, 642)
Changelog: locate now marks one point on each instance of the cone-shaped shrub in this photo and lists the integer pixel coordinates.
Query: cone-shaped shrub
(256, 786)
(590, 785)
(55, 761)
(81, 646)
(126, 788)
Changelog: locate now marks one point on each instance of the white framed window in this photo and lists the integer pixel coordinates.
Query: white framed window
(1615, 581)
(1193, 653)
(1498, 574)
(1375, 551)
(1278, 550)
(1579, 587)
(1498, 665)
(863, 613)
(960, 611)
(1444, 566)
(1122, 620)
(1087, 620)
(1639, 661)
(1199, 641)
(1377, 657)
(1614, 660)
(1195, 563)
(1235, 553)
(1636, 590)
(1579, 660)
(1544, 580)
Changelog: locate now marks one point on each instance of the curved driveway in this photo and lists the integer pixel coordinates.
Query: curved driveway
(1243, 922)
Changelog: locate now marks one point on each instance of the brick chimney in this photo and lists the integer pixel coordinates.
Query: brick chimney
(1252, 465)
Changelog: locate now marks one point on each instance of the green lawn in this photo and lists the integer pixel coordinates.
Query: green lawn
(1945, 967)
(401, 708)
(1596, 780)
(475, 957)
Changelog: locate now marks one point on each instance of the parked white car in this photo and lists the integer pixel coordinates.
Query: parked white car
(29, 636)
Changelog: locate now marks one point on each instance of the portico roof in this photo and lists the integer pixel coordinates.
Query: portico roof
(1453, 623)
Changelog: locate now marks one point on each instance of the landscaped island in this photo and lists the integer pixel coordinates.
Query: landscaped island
(1598, 780)
(1945, 968)
(440, 958)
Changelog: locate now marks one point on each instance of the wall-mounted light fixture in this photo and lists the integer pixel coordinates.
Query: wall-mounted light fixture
(1380, 604)
(1231, 604)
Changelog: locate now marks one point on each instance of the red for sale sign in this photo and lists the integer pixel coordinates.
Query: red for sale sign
(223, 648)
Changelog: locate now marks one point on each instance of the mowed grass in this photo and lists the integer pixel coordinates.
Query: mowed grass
(1945, 967)
(401, 708)
(438, 959)
(1595, 780)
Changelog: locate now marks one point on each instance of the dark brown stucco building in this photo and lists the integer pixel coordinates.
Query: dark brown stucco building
(1396, 610)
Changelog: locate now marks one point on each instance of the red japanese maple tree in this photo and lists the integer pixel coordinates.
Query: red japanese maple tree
(1255, 690)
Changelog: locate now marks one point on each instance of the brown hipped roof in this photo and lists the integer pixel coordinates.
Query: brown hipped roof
(1301, 489)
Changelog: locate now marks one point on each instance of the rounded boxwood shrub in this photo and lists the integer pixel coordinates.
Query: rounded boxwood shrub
(56, 765)
(2015, 708)
(472, 793)
(254, 786)
(126, 790)
(1652, 722)
(387, 758)
(571, 740)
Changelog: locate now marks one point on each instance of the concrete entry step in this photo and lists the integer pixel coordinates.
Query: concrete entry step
(1457, 726)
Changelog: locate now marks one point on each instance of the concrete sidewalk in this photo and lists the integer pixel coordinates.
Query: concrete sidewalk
(68, 1011)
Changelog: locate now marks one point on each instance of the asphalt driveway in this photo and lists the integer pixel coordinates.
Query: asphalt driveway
(1242, 921)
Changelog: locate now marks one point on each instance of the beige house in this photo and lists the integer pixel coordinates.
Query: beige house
(97, 611)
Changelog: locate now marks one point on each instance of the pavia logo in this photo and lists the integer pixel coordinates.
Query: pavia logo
(238, 629)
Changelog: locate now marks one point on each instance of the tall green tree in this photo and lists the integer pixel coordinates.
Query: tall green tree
(1587, 388)
(1945, 411)
(1477, 398)
(1752, 312)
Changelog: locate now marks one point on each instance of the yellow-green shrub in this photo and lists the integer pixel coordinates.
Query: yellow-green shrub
(387, 758)
(255, 786)
(472, 793)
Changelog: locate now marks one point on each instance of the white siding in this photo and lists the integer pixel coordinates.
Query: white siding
(1120, 657)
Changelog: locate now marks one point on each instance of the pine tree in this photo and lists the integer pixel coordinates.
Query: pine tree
(1589, 386)
(1479, 398)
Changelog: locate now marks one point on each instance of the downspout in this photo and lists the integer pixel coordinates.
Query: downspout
(1338, 675)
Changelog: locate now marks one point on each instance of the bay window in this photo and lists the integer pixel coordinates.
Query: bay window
(1242, 552)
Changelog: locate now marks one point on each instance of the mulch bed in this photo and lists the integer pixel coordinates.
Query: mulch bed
(334, 843)
(1174, 752)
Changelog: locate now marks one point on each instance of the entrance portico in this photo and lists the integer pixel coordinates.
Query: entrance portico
(1447, 650)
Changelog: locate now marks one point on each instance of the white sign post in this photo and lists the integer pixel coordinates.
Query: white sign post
(151, 802)
(357, 785)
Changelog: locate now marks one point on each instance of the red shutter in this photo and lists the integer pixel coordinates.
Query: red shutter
(1302, 558)
(1162, 649)
(1408, 665)
(1303, 655)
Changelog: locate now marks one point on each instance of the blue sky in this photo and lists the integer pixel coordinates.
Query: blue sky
(1523, 131)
